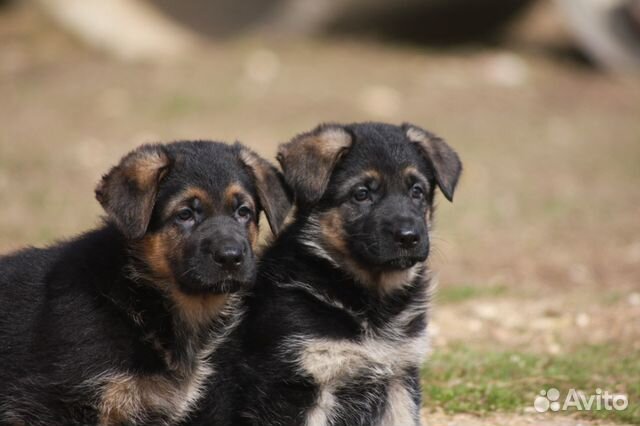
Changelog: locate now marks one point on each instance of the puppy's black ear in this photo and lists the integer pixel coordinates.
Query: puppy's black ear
(272, 191)
(308, 160)
(128, 192)
(442, 157)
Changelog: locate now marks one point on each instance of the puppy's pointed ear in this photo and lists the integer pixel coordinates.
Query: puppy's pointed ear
(128, 192)
(308, 161)
(272, 191)
(443, 158)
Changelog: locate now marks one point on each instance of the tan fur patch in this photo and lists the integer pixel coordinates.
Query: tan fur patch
(331, 225)
(233, 191)
(446, 162)
(143, 167)
(128, 191)
(236, 190)
(335, 241)
(188, 194)
(373, 174)
(307, 161)
(134, 399)
(323, 152)
(254, 236)
(130, 399)
(271, 191)
(197, 310)
(322, 146)
(330, 141)
(417, 135)
(251, 160)
(414, 173)
(127, 398)
(365, 177)
(411, 171)
(199, 193)
(329, 232)
(155, 249)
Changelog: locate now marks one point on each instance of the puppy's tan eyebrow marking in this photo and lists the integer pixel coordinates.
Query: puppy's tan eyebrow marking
(188, 194)
(370, 174)
(235, 190)
(412, 172)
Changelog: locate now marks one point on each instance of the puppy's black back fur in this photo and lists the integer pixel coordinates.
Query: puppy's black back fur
(59, 327)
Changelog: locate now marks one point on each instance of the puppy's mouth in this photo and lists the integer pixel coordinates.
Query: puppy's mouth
(389, 263)
(400, 263)
(229, 285)
(196, 285)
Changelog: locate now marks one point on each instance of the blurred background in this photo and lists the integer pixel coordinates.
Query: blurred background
(538, 258)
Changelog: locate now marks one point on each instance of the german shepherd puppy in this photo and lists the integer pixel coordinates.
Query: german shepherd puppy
(335, 327)
(115, 326)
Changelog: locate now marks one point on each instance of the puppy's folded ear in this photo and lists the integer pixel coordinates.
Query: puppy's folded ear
(128, 192)
(272, 191)
(442, 157)
(309, 159)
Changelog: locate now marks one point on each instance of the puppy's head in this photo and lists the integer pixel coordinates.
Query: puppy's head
(367, 191)
(190, 212)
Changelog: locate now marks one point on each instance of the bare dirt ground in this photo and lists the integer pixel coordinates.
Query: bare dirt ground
(547, 212)
(506, 420)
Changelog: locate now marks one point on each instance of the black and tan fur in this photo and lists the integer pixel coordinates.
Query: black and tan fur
(117, 326)
(335, 328)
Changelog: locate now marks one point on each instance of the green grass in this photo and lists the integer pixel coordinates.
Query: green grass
(465, 380)
(460, 293)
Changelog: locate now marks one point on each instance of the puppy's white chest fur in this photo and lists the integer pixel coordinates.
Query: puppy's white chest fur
(334, 363)
(331, 362)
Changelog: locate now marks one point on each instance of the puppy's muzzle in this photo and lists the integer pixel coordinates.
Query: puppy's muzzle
(230, 254)
(406, 237)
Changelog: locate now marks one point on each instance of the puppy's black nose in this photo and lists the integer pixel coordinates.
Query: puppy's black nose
(407, 237)
(229, 256)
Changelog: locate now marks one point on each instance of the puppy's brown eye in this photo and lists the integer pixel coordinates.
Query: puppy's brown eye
(185, 215)
(361, 194)
(417, 192)
(244, 212)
